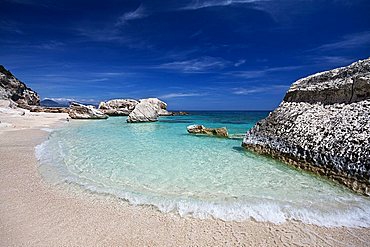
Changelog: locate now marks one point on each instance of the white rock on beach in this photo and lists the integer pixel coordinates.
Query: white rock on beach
(80, 111)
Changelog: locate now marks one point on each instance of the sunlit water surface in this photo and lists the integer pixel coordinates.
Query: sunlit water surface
(161, 164)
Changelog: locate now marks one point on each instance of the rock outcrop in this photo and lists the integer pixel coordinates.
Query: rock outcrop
(200, 129)
(13, 89)
(323, 126)
(49, 109)
(164, 112)
(147, 110)
(118, 107)
(80, 111)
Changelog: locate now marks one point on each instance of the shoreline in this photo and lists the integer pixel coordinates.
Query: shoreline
(34, 212)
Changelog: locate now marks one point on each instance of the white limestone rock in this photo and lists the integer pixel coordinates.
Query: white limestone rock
(118, 107)
(147, 110)
(13, 89)
(322, 125)
(80, 111)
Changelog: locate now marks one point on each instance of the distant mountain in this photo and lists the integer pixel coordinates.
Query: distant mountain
(51, 103)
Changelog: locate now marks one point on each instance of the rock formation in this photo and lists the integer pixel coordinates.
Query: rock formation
(80, 111)
(49, 109)
(164, 112)
(146, 111)
(118, 107)
(13, 89)
(200, 129)
(323, 126)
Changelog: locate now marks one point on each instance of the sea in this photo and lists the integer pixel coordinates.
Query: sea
(159, 164)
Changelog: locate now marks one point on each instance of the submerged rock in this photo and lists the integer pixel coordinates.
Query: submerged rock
(180, 113)
(200, 129)
(173, 113)
(13, 89)
(80, 111)
(323, 126)
(147, 110)
(118, 107)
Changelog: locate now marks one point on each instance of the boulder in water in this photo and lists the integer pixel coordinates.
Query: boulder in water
(118, 107)
(200, 129)
(147, 111)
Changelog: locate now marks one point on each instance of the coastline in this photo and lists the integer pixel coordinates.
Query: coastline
(33, 212)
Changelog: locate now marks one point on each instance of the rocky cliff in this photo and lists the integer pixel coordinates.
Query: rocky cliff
(323, 126)
(14, 89)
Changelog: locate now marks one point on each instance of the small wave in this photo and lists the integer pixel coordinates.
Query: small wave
(265, 211)
(52, 156)
(49, 130)
(238, 211)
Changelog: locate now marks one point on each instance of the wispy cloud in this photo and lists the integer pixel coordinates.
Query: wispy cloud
(198, 65)
(132, 15)
(250, 74)
(47, 45)
(348, 42)
(11, 26)
(32, 2)
(199, 4)
(68, 100)
(332, 60)
(111, 34)
(104, 34)
(261, 89)
(180, 95)
(240, 62)
(113, 74)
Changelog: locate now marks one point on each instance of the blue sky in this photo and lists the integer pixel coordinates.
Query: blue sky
(195, 55)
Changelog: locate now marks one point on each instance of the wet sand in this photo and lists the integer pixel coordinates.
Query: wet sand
(35, 213)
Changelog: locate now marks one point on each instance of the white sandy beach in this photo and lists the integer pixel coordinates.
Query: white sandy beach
(35, 213)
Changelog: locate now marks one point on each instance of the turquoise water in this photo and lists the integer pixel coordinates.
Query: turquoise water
(161, 164)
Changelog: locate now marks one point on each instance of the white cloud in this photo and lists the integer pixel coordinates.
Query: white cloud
(348, 42)
(240, 62)
(198, 65)
(180, 95)
(333, 60)
(261, 89)
(199, 4)
(249, 74)
(11, 26)
(61, 100)
(132, 15)
(68, 100)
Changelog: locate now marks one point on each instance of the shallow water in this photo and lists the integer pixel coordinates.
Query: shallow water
(161, 164)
